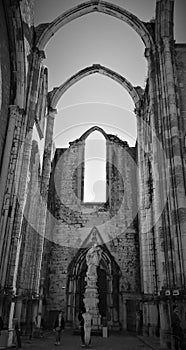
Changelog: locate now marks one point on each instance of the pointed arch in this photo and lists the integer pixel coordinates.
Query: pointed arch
(46, 30)
(76, 275)
(95, 157)
(91, 130)
(55, 95)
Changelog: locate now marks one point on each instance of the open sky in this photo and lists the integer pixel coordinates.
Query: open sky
(98, 38)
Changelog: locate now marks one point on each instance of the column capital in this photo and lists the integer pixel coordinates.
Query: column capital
(52, 112)
(40, 53)
(16, 108)
(147, 53)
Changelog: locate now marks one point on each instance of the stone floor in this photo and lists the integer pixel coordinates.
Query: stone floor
(123, 341)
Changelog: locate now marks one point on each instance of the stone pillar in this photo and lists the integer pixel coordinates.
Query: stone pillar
(145, 319)
(18, 307)
(110, 300)
(165, 328)
(8, 185)
(22, 169)
(70, 302)
(109, 171)
(10, 324)
(80, 176)
(153, 318)
(176, 174)
(39, 314)
(43, 205)
(48, 151)
(74, 302)
(124, 314)
(13, 110)
(91, 300)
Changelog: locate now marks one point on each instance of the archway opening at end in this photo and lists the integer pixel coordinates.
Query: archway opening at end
(83, 106)
(95, 168)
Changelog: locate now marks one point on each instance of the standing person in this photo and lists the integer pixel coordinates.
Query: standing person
(59, 326)
(138, 322)
(177, 329)
(31, 328)
(87, 326)
(17, 332)
(82, 330)
(1, 324)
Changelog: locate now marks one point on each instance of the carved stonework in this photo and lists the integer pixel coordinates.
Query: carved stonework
(91, 298)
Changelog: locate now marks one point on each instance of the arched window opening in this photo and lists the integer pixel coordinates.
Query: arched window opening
(95, 168)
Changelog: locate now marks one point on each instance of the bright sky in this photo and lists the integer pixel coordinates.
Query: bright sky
(98, 38)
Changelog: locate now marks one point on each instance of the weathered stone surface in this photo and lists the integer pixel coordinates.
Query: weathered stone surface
(4, 79)
(141, 228)
(76, 219)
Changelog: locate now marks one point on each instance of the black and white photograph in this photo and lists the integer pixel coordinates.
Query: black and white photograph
(93, 174)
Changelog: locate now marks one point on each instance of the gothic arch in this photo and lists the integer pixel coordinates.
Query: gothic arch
(107, 268)
(46, 30)
(91, 130)
(55, 95)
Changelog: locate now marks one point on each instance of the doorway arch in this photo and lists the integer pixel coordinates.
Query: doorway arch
(46, 31)
(108, 287)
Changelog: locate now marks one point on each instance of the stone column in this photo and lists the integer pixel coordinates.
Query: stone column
(124, 314)
(109, 171)
(40, 304)
(80, 177)
(109, 300)
(153, 317)
(22, 170)
(10, 324)
(177, 180)
(48, 150)
(43, 207)
(8, 185)
(165, 328)
(91, 299)
(13, 113)
(18, 306)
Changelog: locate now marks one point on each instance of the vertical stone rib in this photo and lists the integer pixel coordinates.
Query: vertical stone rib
(44, 194)
(177, 180)
(172, 246)
(140, 205)
(157, 167)
(7, 217)
(80, 172)
(22, 170)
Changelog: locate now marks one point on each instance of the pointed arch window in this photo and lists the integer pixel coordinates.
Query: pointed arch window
(95, 168)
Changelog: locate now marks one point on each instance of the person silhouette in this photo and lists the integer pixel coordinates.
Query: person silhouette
(81, 322)
(178, 334)
(87, 326)
(59, 326)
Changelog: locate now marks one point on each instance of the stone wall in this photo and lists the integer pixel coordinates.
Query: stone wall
(161, 151)
(72, 222)
(24, 173)
(180, 56)
(26, 145)
(4, 79)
